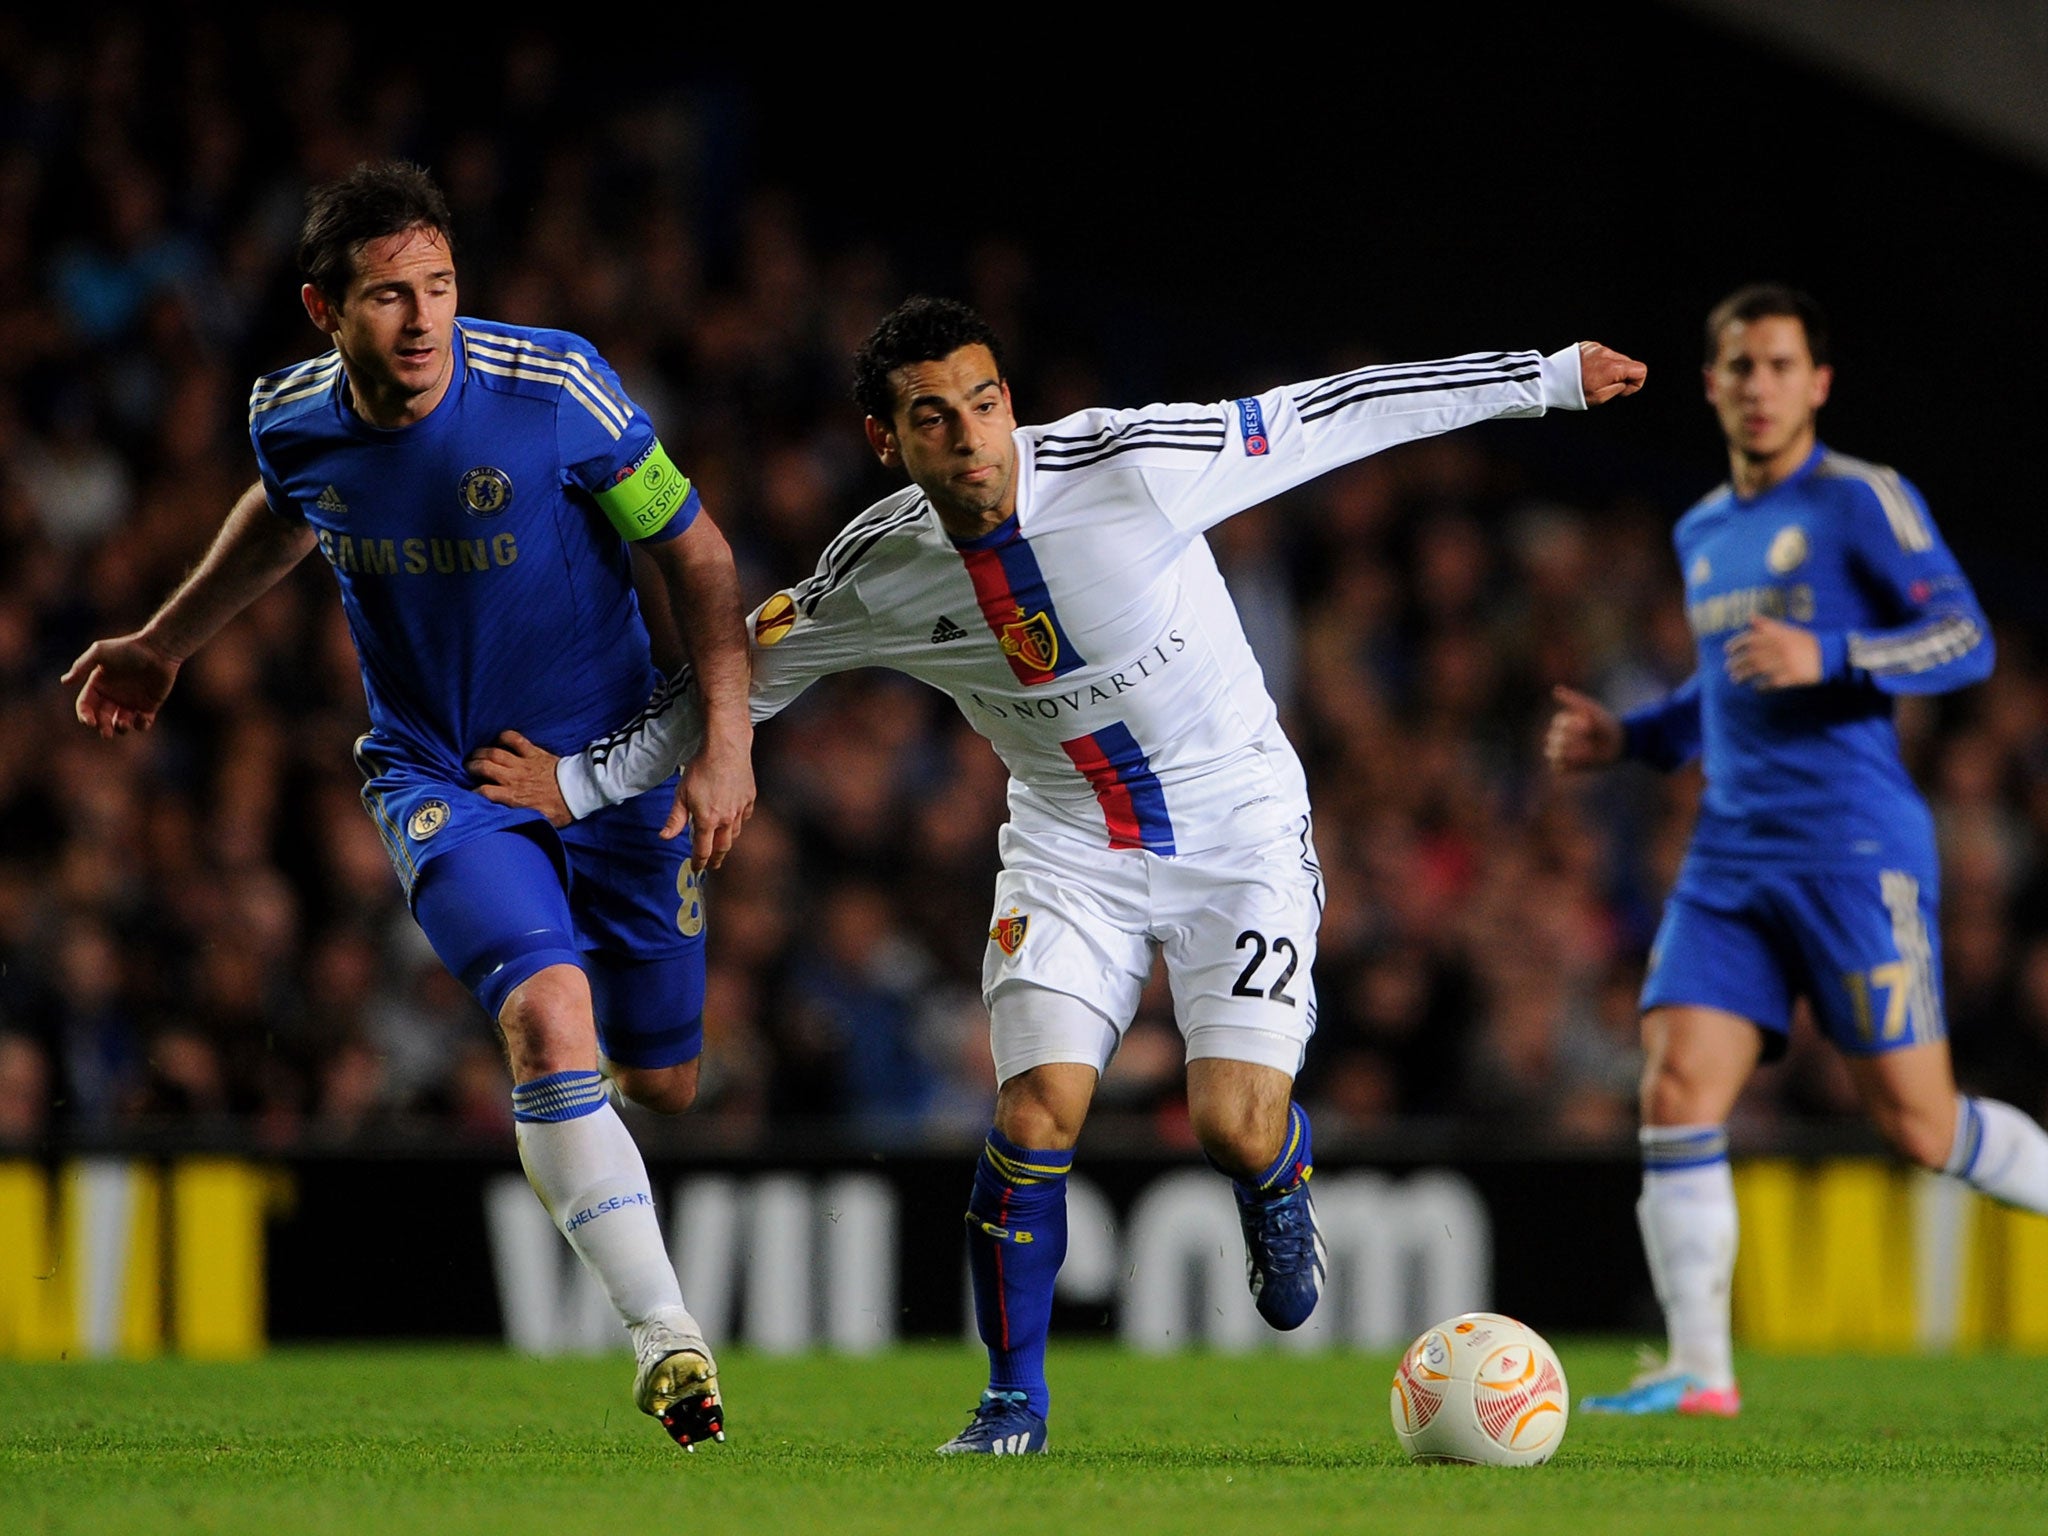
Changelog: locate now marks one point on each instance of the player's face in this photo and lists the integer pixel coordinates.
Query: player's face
(394, 325)
(951, 432)
(1766, 387)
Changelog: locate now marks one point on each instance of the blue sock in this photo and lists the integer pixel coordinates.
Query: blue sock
(1295, 1162)
(1016, 1240)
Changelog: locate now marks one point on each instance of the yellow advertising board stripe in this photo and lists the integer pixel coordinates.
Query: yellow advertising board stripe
(83, 1257)
(35, 1299)
(142, 1298)
(217, 1295)
(2026, 1291)
(1829, 1260)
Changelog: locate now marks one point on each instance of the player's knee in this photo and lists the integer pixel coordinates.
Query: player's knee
(1045, 1106)
(1032, 1124)
(1238, 1136)
(665, 1090)
(547, 1023)
(1666, 1097)
(1675, 1092)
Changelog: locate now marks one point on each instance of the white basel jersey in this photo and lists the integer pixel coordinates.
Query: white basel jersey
(1090, 637)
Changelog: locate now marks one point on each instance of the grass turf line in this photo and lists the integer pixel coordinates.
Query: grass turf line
(391, 1441)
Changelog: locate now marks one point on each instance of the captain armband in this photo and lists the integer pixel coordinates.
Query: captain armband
(647, 495)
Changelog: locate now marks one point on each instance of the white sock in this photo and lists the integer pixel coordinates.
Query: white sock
(1687, 1216)
(2000, 1151)
(583, 1163)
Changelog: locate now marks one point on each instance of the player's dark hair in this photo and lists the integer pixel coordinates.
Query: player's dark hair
(919, 330)
(386, 197)
(1764, 301)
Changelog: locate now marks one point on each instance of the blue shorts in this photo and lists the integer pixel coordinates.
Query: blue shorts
(1863, 947)
(501, 896)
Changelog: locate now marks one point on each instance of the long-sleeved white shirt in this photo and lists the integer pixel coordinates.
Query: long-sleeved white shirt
(1090, 637)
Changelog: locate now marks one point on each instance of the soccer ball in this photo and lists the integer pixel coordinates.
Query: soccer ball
(1480, 1388)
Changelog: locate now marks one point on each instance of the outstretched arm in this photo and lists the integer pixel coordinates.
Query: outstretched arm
(813, 629)
(1206, 463)
(125, 680)
(1605, 374)
(669, 730)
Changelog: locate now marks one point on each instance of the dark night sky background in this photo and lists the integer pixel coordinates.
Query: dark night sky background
(1200, 209)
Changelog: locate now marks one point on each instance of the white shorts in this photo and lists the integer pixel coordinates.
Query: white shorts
(1237, 927)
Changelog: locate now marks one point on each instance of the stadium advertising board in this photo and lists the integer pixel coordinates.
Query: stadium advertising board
(215, 1256)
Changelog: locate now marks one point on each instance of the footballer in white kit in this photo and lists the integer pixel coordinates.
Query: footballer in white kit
(1054, 582)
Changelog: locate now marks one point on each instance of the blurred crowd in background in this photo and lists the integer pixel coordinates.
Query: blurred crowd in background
(198, 926)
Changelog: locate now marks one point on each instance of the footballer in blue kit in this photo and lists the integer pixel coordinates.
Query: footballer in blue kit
(477, 490)
(1812, 867)
(1818, 591)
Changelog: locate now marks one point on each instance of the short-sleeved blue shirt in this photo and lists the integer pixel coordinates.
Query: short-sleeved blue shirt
(1846, 549)
(485, 588)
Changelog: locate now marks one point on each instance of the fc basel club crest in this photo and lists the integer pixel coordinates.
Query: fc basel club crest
(776, 618)
(486, 492)
(427, 820)
(1033, 641)
(1009, 931)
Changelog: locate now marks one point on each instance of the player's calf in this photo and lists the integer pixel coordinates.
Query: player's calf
(1016, 1241)
(665, 1090)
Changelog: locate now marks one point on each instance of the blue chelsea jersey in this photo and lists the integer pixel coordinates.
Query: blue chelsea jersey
(1846, 549)
(484, 586)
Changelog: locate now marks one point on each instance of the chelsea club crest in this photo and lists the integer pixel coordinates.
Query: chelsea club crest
(1788, 550)
(427, 820)
(486, 492)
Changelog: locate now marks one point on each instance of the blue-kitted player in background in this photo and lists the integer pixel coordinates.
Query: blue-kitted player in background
(475, 488)
(1818, 591)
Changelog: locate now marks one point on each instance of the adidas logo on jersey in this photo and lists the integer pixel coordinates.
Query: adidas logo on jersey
(946, 630)
(330, 500)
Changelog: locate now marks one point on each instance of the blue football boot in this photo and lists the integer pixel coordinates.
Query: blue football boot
(1284, 1260)
(1003, 1425)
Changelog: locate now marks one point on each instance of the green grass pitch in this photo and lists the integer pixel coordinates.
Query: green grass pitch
(387, 1442)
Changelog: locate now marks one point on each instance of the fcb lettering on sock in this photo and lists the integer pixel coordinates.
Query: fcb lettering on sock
(1016, 1242)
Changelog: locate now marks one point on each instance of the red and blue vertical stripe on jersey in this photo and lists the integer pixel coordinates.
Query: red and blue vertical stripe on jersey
(1017, 607)
(1133, 803)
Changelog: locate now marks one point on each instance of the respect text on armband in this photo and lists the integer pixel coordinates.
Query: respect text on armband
(646, 495)
(1056, 704)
